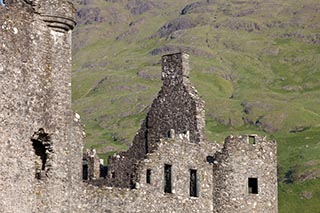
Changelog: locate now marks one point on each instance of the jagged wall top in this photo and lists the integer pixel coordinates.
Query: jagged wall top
(175, 67)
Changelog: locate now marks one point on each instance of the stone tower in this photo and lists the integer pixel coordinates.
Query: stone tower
(40, 139)
(245, 175)
(177, 107)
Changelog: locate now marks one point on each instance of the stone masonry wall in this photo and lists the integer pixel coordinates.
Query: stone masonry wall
(183, 155)
(222, 180)
(41, 138)
(177, 107)
(238, 161)
(91, 165)
(37, 126)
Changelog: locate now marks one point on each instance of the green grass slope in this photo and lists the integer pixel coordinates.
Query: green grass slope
(255, 63)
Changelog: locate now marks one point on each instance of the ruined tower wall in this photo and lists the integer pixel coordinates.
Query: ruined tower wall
(239, 161)
(16, 157)
(177, 107)
(35, 94)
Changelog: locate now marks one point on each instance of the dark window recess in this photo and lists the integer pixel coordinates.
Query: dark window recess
(113, 175)
(253, 185)
(148, 177)
(132, 183)
(193, 183)
(210, 159)
(167, 178)
(146, 145)
(84, 170)
(168, 134)
(252, 140)
(103, 171)
(42, 146)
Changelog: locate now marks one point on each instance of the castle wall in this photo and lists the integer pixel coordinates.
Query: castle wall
(40, 143)
(239, 161)
(182, 155)
(41, 138)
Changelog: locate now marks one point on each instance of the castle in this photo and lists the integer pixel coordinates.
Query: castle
(170, 167)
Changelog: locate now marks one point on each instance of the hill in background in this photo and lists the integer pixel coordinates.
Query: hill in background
(255, 63)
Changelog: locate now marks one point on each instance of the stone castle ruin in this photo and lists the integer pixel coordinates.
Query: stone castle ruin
(170, 167)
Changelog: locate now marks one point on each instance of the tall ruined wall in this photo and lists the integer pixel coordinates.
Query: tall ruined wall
(239, 161)
(40, 142)
(177, 107)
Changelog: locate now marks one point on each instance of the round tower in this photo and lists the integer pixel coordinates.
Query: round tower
(40, 138)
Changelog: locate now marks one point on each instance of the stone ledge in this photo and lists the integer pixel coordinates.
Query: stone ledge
(59, 15)
(59, 23)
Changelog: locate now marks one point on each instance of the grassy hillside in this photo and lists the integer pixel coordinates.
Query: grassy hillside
(255, 63)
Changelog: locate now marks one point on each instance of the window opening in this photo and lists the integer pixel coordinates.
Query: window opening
(3, 3)
(253, 185)
(42, 146)
(210, 159)
(167, 178)
(132, 183)
(148, 178)
(103, 171)
(252, 140)
(84, 170)
(113, 175)
(146, 146)
(193, 183)
(168, 134)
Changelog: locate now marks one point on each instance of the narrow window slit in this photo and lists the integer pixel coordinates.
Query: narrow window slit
(167, 178)
(146, 145)
(168, 134)
(193, 183)
(84, 170)
(148, 176)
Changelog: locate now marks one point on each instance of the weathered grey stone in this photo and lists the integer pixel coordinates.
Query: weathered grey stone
(41, 139)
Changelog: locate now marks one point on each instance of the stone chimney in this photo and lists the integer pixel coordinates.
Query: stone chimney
(175, 68)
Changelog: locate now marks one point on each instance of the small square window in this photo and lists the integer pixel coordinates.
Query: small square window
(253, 185)
(252, 140)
